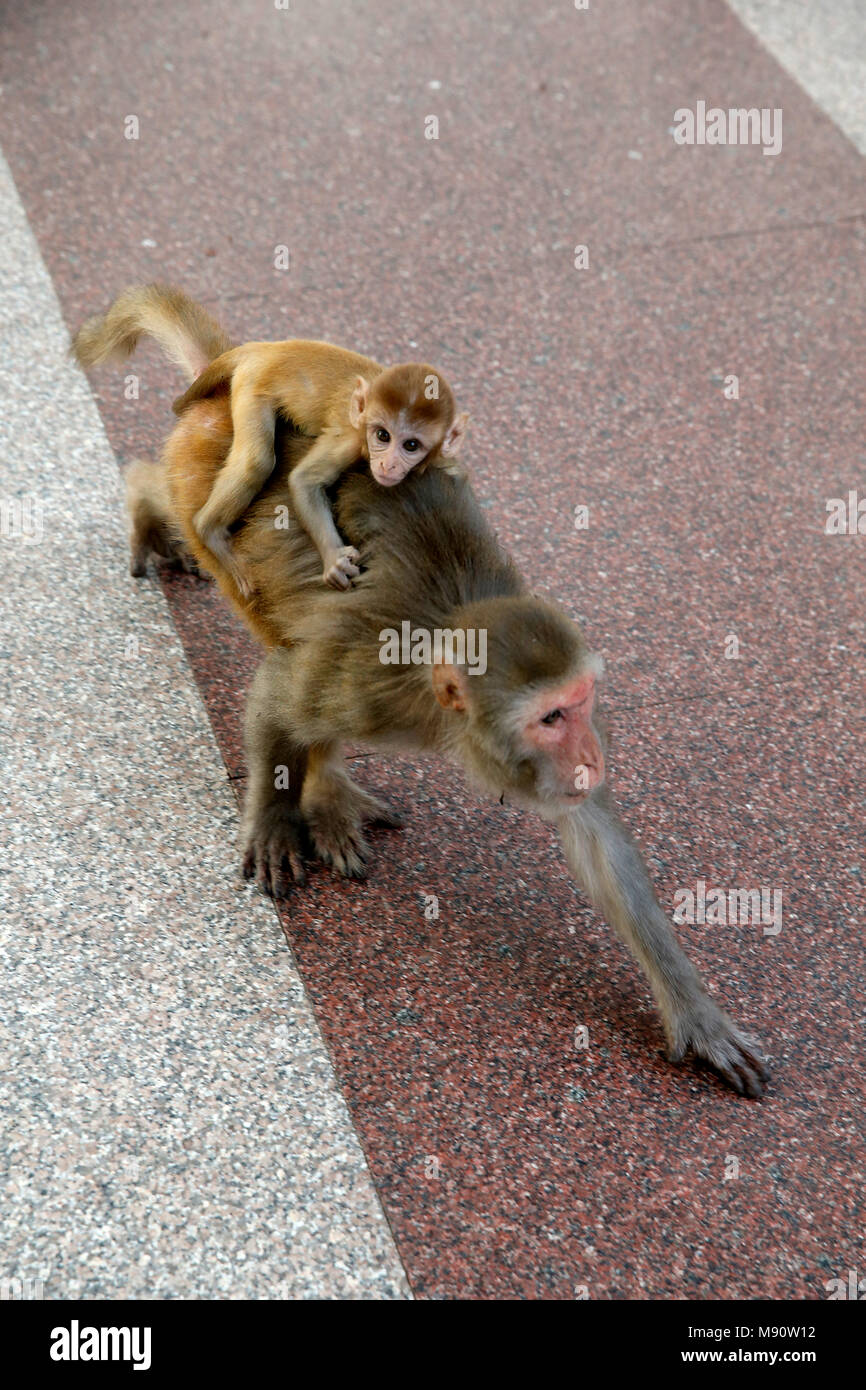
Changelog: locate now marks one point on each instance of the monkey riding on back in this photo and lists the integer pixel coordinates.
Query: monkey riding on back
(397, 418)
(528, 726)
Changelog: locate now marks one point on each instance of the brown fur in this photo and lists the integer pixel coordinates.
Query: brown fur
(403, 388)
(431, 559)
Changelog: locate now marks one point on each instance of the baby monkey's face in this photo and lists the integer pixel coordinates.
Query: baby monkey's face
(405, 418)
(396, 445)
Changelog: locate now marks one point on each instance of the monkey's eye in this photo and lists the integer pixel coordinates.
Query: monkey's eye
(382, 435)
(553, 716)
(412, 445)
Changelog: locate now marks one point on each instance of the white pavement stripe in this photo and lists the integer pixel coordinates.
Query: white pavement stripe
(170, 1124)
(822, 44)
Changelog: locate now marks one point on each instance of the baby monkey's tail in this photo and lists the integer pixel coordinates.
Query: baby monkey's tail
(188, 336)
(184, 330)
(214, 375)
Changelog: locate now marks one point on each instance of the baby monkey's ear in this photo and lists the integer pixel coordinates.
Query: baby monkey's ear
(454, 436)
(358, 403)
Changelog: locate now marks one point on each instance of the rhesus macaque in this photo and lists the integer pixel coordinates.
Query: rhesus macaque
(398, 418)
(528, 727)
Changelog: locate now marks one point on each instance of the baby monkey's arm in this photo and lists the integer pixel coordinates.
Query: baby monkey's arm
(333, 452)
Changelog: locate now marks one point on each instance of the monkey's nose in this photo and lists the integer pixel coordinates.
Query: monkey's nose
(591, 760)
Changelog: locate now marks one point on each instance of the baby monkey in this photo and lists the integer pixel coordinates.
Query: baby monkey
(397, 418)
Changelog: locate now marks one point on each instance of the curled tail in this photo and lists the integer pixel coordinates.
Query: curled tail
(184, 330)
(213, 375)
(188, 336)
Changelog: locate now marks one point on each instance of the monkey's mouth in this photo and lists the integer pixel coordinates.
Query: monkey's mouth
(385, 481)
(582, 795)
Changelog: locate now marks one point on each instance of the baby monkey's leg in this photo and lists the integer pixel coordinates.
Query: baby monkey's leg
(247, 468)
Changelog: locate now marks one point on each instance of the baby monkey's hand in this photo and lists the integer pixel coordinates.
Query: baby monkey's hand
(341, 567)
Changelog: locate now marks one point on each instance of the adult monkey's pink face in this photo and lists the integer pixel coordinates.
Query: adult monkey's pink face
(556, 745)
(558, 723)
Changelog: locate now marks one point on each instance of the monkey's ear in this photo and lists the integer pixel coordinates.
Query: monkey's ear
(449, 686)
(454, 437)
(358, 403)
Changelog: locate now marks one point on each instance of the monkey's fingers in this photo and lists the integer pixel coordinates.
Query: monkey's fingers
(386, 819)
(350, 859)
(190, 566)
(285, 871)
(275, 866)
(714, 1040)
(184, 563)
(753, 1070)
(379, 813)
(761, 1066)
(342, 567)
(275, 876)
(341, 574)
(342, 846)
(746, 1079)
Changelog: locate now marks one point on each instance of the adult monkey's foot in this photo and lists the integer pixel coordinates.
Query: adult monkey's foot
(335, 810)
(274, 850)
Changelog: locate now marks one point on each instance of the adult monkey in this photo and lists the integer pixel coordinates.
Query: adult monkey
(524, 728)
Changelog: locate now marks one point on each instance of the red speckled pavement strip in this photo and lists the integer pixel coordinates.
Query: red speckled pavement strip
(509, 1162)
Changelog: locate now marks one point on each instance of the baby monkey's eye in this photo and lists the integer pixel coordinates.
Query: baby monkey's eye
(382, 435)
(553, 716)
(412, 445)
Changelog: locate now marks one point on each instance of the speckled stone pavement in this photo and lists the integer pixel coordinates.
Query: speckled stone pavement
(508, 1162)
(162, 1069)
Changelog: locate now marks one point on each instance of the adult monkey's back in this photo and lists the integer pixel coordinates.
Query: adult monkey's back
(527, 727)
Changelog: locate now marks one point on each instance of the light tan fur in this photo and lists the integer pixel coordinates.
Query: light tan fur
(328, 392)
(184, 330)
(152, 528)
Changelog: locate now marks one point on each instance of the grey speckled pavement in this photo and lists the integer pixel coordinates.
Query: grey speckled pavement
(823, 46)
(170, 1125)
(510, 1162)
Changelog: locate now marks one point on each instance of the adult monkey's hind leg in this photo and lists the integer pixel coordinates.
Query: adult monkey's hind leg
(152, 527)
(273, 829)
